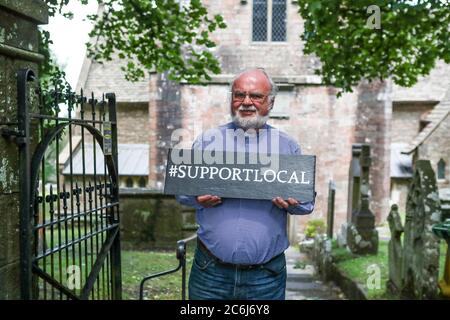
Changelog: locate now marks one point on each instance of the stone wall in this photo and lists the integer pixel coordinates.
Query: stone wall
(237, 51)
(399, 192)
(436, 147)
(373, 126)
(406, 120)
(18, 49)
(151, 220)
(132, 122)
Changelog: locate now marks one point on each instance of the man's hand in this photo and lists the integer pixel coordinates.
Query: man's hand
(208, 200)
(280, 203)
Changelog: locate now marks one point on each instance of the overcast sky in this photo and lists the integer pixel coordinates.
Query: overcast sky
(69, 38)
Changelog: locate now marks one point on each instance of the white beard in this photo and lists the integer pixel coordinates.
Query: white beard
(255, 122)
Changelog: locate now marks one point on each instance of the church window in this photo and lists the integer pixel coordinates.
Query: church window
(269, 20)
(129, 182)
(142, 182)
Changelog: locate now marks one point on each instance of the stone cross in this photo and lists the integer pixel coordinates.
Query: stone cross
(362, 237)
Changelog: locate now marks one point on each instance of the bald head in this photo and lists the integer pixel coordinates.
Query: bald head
(253, 94)
(259, 76)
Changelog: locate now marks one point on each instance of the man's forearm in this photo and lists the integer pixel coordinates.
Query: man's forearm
(190, 201)
(302, 208)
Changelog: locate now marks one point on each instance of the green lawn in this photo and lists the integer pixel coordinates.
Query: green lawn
(138, 264)
(356, 267)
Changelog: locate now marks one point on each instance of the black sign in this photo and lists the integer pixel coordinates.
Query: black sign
(240, 175)
(107, 140)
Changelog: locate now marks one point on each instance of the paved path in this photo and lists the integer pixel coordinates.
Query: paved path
(301, 282)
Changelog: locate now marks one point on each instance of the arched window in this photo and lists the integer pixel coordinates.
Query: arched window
(441, 170)
(142, 182)
(269, 20)
(129, 182)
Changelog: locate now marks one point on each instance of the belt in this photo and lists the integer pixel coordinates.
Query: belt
(202, 246)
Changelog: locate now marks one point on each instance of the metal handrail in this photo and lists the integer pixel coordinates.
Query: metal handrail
(181, 256)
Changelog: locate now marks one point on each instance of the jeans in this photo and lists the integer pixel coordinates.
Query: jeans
(211, 280)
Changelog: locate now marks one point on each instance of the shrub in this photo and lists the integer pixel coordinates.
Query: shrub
(314, 227)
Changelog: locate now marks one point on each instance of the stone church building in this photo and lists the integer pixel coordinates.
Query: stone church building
(396, 122)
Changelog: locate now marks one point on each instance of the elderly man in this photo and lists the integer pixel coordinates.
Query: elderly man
(241, 242)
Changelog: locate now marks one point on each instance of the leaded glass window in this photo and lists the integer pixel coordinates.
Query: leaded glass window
(259, 20)
(269, 20)
(279, 20)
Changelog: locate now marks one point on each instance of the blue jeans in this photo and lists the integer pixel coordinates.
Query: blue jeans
(211, 280)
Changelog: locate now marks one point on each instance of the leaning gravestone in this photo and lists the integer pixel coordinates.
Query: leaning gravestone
(418, 264)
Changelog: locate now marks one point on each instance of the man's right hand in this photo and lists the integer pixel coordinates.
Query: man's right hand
(208, 200)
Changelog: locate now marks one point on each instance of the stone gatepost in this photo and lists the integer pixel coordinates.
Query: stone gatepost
(19, 40)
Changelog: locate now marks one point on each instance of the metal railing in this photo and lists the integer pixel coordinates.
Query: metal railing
(181, 256)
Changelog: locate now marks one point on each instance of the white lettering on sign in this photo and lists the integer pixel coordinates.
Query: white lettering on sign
(237, 174)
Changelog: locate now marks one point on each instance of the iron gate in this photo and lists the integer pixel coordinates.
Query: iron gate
(70, 241)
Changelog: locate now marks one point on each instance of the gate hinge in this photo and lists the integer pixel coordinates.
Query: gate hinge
(17, 135)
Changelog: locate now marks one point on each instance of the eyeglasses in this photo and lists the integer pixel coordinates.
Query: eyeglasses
(255, 97)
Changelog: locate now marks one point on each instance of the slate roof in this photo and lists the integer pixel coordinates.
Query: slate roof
(133, 160)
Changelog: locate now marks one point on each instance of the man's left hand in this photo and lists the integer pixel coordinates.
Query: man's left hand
(280, 203)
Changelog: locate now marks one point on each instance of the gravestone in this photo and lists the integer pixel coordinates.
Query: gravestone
(354, 181)
(330, 209)
(362, 237)
(395, 250)
(418, 264)
(442, 230)
(19, 40)
(444, 196)
(421, 246)
(353, 193)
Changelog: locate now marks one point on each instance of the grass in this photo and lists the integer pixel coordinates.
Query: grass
(135, 266)
(138, 264)
(357, 267)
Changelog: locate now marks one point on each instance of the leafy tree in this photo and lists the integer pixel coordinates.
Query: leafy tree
(163, 35)
(411, 36)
